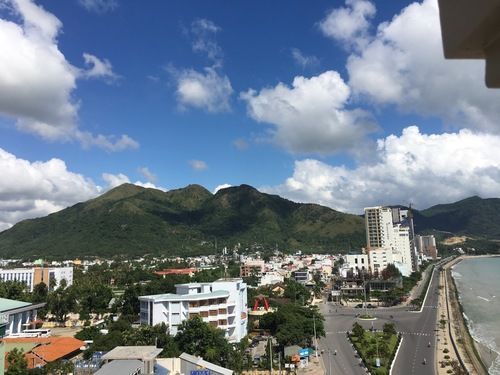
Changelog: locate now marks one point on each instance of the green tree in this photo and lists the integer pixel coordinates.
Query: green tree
(88, 333)
(199, 338)
(93, 298)
(61, 367)
(389, 329)
(390, 271)
(296, 292)
(358, 330)
(13, 290)
(152, 335)
(293, 324)
(60, 303)
(131, 305)
(17, 364)
(40, 293)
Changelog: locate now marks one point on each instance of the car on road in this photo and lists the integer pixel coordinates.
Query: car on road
(370, 306)
(359, 305)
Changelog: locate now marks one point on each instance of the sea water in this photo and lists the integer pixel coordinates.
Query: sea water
(478, 283)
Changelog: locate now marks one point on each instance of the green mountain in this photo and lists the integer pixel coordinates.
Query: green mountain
(134, 220)
(473, 216)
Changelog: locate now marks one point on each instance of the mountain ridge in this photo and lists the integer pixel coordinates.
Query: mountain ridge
(133, 220)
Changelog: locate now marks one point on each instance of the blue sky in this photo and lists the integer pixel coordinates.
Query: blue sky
(345, 104)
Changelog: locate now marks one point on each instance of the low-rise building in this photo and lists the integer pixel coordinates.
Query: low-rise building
(354, 264)
(42, 350)
(222, 303)
(303, 276)
(36, 275)
(135, 359)
(189, 364)
(252, 267)
(271, 278)
(18, 315)
(176, 271)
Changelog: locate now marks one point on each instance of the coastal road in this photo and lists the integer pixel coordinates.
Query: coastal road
(417, 328)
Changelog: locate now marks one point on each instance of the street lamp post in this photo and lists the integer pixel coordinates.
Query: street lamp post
(315, 337)
(364, 293)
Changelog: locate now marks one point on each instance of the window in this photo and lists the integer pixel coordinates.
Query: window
(213, 312)
(204, 314)
(222, 311)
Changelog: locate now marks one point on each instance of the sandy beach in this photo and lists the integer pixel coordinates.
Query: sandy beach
(486, 356)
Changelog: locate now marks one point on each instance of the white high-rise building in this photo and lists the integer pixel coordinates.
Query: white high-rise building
(379, 231)
(222, 304)
(385, 232)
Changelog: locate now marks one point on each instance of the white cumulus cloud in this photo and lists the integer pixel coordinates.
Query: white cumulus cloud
(220, 187)
(349, 25)
(198, 165)
(304, 61)
(147, 174)
(37, 82)
(311, 115)
(99, 6)
(114, 180)
(203, 33)
(402, 64)
(208, 90)
(98, 68)
(424, 169)
(34, 189)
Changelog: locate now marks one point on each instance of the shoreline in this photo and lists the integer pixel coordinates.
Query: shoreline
(480, 351)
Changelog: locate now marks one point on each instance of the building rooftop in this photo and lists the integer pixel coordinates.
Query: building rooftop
(122, 367)
(143, 353)
(205, 364)
(186, 297)
(48, 349)
(10, 304)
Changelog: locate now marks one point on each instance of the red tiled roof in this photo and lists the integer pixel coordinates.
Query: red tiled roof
(50, 348)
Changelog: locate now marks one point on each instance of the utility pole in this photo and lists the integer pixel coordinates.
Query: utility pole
(364, 292)
(315, 337)
(271, 356)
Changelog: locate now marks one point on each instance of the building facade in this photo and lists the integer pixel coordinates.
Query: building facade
(389, 239)
(252, 268)
(426, 245)
(378, 223)
(37, 275)
(18, 315)
(222, 304)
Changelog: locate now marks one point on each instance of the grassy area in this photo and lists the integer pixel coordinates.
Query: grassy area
(367, 346)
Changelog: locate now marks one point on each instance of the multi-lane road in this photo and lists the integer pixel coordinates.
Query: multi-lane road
(418, 330)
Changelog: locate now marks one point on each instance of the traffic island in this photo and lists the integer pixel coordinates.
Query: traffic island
(376, 350)
(367, 317)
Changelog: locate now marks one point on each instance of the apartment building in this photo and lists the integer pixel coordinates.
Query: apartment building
(388, 230)
(355, 264)
(252, 267)
(426, 245)
(378, 222)
(222, 303)
(381, 257)
(36, 275)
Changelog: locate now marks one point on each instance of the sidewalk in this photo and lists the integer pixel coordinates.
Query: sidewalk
(315, 367)
(449, 310)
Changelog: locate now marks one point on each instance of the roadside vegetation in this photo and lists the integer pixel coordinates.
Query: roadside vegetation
(372, 345)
